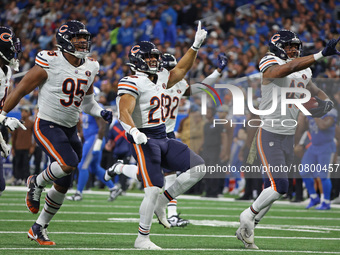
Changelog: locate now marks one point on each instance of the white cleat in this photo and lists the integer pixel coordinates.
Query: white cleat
(146, 244)
(160, 212)
(246, 239)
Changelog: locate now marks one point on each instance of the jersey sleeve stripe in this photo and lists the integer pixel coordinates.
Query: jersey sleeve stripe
(266, 60)
(120, 85)
(37, 61)
(130, 82)
(121, 91)
(42, 59)
(266, 64)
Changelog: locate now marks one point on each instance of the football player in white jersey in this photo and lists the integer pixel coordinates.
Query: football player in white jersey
(65, 79)
(172, 99)
(140, 103)
(281, 67)
(10, 46)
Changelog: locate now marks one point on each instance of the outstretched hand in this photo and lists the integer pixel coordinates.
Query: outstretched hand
(200, 35)
(330, 48)
(222, 60)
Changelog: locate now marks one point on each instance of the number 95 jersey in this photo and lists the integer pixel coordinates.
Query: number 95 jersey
(61, 95)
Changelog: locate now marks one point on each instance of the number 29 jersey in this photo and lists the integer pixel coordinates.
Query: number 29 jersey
(149, 96)
(61, 95)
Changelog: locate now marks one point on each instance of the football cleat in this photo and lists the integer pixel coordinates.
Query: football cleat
(39, 234)
(323, 206)
(160, 211)
(115, 169)
(176, 221)
(33, 194)
(114, 193)
(246, 239)
(313, 202)
(145, 243)
(75, 197)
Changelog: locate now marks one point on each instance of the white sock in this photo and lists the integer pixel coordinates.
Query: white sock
(50, 174)
(266, 198)
(185, 181)
(313, 196)
(322, 198)
(172, 205)
(53, 201)
(146, 209)
(130, 171)
(261, 214)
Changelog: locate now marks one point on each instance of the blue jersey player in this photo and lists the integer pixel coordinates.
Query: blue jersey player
(318, 158)
(281, 67)
(93, 132)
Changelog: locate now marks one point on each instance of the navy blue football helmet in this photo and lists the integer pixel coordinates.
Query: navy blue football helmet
(68, 31)
(168, 61)
(10, 47)
(282, 39)
(139, 53)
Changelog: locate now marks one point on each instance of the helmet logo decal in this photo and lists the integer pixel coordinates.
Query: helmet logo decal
(6, 37)
(135, 49)
(63, 28)
(275, 38)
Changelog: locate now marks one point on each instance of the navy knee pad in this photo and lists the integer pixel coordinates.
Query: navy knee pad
(282, 185)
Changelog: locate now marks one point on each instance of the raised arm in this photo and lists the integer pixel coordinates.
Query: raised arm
(188, 59)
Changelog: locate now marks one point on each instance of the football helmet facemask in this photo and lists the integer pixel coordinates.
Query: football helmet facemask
(168, 61)
(145, 57)
(10, 47)
(70, 30)
(281, 40)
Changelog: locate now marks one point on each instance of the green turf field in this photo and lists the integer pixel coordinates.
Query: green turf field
(95, 226)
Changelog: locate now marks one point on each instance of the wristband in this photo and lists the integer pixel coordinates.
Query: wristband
(318, 56)
(194, 48)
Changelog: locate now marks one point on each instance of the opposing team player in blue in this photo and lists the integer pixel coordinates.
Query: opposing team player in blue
(10, 46)
(318, 158)
(140, 104)
(282, 67)
(93, 130)
(171, 103)
(65, 79)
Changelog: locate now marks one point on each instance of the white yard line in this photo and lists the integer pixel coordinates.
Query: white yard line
(176, 249)
(177, 235)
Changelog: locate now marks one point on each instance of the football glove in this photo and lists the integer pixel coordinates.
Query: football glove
(200, 35)
(138, 137)
(330, 48)
(11, 123)
(4, 148)
(324, 106)
(222, 60)
(106, 115)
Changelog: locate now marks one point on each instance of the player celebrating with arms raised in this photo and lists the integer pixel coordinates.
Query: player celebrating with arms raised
(140, 103)
(281, 67)
(65, 79)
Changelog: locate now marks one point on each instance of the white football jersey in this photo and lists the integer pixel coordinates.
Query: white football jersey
(148, 111)
(171, 103)
(276, 122)
(5, 82)
(61, 95)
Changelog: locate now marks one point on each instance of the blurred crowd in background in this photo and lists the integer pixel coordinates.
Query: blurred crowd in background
(241, 29)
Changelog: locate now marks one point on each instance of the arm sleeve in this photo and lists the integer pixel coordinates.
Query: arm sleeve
(90, 106)
(209, 80)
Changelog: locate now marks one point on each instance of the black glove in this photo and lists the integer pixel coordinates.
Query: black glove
(324, 106)
(330, 48)
(107, 115)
